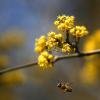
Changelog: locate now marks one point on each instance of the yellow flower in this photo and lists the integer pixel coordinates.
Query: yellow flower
(4, 61)
(13, 78)
(61, 18)
(64, 22)
(40, 44)
(62, 27)
(45, 60)
(56, 22)
(66, 48)
(70, 21)
(54, 40)
(79, 31)
(89, 74)
(12, 39)
(92, 43)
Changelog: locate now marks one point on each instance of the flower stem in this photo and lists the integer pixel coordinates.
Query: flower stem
(76, 45)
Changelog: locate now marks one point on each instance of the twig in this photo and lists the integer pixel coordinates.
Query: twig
(55, 60)
(17, 68)
(78, 55)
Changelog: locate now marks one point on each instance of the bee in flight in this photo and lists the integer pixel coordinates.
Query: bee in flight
(66, 87)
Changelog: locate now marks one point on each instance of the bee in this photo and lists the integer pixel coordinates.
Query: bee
(66, 87)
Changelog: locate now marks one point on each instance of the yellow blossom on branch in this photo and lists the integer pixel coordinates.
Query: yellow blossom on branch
(64, 23)
(66, 48)
(54, 40)
(59, 42)
(45, 60)
(40, 44)
(79, 31)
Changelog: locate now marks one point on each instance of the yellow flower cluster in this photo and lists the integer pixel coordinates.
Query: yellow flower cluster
(79, 31)
(13, 78)
(92, 42)
(12, 39)
(89, 74)
(40, 44)
(66, 48)
(45, 60)
(64, 23)
(54, 40)
(4, 61)
(61, 42)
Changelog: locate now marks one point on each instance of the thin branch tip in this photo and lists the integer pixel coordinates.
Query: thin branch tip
(57, 58)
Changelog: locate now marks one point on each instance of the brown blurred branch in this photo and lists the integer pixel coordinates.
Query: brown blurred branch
(55, 60)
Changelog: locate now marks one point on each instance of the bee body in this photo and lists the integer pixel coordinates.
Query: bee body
(66, 87)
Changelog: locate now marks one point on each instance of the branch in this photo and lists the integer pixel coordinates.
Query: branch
(55, 60)
(75, 55)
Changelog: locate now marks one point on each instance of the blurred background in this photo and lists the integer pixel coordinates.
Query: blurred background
(21, 21)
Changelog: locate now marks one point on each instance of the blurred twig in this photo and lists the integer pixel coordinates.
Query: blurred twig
(55, 60)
